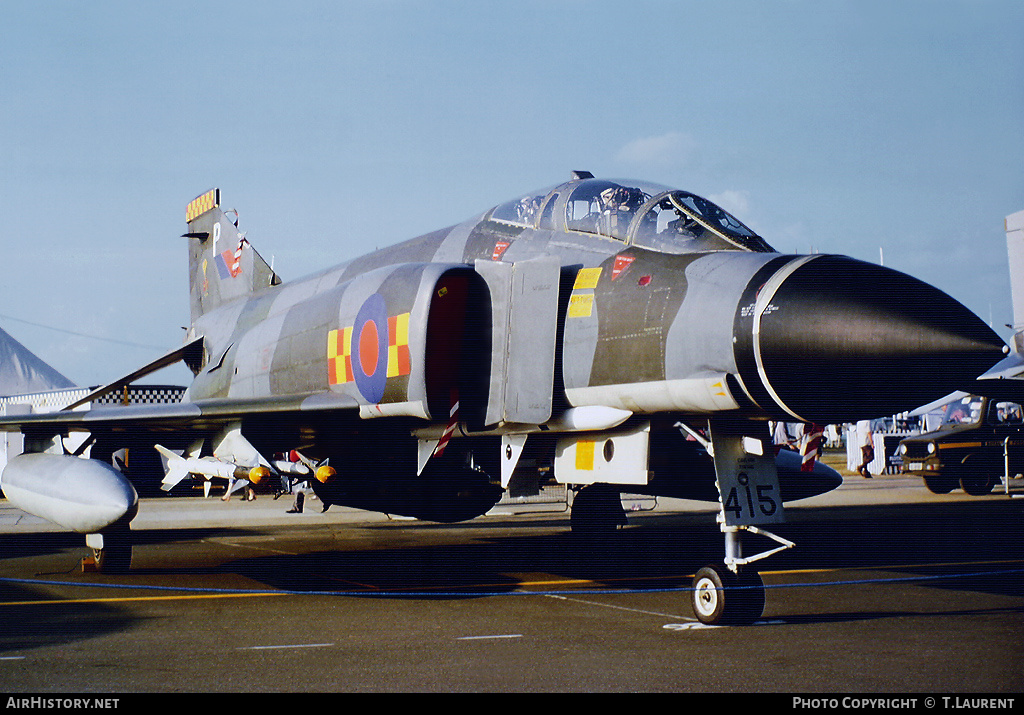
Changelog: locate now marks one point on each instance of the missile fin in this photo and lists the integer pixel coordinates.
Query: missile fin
(177, 468)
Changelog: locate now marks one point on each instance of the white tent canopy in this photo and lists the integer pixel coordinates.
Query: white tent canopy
(23, 372)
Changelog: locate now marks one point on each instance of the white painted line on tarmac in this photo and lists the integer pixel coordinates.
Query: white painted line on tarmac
(622, 608)
(706, 626)
(481, 638)
(235, 544)
(282, 647)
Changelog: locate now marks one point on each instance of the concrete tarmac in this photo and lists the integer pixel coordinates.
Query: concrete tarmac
(890, 589)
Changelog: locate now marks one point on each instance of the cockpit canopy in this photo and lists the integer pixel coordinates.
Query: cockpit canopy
(637, 213)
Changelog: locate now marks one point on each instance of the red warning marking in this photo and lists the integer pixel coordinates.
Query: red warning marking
(499, 249)
(453, 421)
(809, 448)
(621, 264)
(235, 266)
(368, 348)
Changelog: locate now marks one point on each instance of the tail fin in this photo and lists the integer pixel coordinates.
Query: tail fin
(222, 265)
(176, 468)
(1014, 225)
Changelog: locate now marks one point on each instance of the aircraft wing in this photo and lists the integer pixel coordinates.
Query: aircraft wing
(90, 495)
(184, 417)
(1004, 381)
(185, 352)
(175, 422)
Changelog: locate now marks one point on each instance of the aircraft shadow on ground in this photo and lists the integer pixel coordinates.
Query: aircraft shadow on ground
(966, 546)
(20, 546)
(969, 547)
(31, 622)
(945, 544)
(36, 625)
(634, 559)
(852, 617)
(38, 544)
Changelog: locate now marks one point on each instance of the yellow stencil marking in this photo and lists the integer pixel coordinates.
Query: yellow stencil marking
(581, 306)
(587, 278)
(585, 455)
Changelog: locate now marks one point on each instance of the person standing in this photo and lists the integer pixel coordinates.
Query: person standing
(866, 439)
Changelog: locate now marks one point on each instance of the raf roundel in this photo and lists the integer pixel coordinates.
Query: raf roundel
(370, 348)
(369, 352)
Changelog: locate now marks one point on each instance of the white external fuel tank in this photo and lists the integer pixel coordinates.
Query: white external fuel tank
(84, 495)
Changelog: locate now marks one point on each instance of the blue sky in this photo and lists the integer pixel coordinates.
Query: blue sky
(873, 129)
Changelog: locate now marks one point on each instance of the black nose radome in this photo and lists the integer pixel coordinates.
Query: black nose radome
(834, 339)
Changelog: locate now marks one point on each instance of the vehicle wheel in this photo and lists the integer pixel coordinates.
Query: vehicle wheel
(977, 483)
(940, 484)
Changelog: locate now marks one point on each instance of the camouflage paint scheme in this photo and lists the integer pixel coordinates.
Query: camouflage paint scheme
(665, 309)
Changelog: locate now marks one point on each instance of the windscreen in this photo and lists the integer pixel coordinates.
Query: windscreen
(680, 222)
(966, 410)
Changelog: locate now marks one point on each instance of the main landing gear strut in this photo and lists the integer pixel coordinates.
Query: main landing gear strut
(111, 550)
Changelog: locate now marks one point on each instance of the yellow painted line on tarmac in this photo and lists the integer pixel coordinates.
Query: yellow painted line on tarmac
(126, 599)
(469, 588)
(777, 572)
(895, 566)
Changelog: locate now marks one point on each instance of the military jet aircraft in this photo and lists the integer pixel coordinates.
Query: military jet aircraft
(634, 336)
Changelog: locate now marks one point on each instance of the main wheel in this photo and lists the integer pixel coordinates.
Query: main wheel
(116, 554)
(596, 509)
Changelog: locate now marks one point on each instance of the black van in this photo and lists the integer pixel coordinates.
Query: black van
(971, 447)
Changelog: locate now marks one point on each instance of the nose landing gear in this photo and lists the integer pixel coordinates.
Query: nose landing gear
(727, 594)
(748, 488)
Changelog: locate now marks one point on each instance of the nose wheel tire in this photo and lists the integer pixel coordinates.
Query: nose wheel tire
(721, 597)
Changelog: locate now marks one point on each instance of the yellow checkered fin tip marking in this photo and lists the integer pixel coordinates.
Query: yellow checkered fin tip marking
(201, 204)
